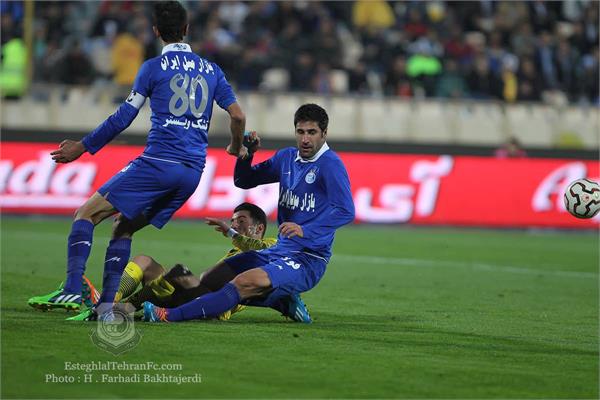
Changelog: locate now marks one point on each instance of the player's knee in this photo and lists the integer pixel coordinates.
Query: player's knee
(252, 283)
(143, 261)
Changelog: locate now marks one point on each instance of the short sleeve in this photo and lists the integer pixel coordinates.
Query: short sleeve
(224, 95)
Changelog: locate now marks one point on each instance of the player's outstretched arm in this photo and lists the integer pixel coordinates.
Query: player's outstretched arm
(112, 126)
(237, 126)
(242, 242)
(125, 114)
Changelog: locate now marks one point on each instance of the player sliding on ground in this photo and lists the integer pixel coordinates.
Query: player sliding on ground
(314, 201)
(182, 87)
(179, 285)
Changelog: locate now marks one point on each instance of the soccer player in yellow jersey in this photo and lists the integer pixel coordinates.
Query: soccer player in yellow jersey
(179, 285)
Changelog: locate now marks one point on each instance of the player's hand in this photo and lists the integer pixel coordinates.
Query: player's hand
(291, 229)
(251, 141)
(241, 153)
(68, 150)
(219, 225)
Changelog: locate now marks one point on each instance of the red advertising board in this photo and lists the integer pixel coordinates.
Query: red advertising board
(387, 188)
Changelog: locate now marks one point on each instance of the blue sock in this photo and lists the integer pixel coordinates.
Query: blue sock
(208, 306)
(79, 246)
(117, 257)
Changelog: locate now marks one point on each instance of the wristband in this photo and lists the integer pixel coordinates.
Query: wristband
(232, 232)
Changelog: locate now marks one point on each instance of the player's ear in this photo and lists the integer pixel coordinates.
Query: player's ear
(324, 134)
(156, 32)
(260, 230)
(185, 29)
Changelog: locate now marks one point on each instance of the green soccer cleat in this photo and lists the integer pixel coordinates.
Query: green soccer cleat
(86, 315)
(57, 299)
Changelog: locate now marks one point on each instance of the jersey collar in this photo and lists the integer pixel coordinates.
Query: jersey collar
(314, 158)
(176, 47)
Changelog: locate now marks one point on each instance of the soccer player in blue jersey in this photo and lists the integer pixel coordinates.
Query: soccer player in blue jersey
(182, 87)
(314, 201)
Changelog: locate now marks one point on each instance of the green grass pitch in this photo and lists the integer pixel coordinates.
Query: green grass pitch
(400, 313)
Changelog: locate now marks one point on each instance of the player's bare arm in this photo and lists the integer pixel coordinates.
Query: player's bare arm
(237, 126)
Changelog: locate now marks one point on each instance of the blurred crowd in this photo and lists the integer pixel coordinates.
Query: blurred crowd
(505, 50)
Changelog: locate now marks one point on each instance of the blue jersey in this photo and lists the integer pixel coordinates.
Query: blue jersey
(314, 194)
(182, 87)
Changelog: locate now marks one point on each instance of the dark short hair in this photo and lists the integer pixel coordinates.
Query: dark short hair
(314, 113)
(170, 19)
(256, 213)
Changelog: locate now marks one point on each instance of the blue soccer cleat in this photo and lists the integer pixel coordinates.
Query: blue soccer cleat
(296, 310)
(153, 313)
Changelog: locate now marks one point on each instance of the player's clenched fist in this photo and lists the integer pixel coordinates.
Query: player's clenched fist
(68, 150)
(290, 229)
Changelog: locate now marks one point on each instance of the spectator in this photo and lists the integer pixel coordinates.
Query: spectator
(423, 69)
(523, 41)
(546, 60)
(482, 83)
(530, 84)
(13, 71)
(301, 76)
(76, 68)
(397, 81)
(321, 82)
(451, 83)
(415, 27)
(372, 14)
(357, 80)
(589, 82)
(127, 58)
(508, 79)
(566, 65)
(455, 46)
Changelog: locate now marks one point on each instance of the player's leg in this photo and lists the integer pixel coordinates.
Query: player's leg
(252, 283)
(217, 276)
(295, 274)
(117, 254)
(141, 268)
(79, 245)
(159, 285)
(231, 268)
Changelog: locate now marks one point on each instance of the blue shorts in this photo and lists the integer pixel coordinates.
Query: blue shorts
(153, 188)
(292, 273)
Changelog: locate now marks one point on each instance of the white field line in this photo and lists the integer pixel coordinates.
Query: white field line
(405, 262)
(419, 262)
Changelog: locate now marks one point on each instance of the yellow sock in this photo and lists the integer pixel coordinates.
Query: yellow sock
(130, 280)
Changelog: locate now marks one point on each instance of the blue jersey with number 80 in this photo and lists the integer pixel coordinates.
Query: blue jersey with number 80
(182, 87)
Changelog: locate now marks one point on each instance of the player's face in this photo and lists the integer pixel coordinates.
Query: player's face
(243, 223)
(309, 138)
